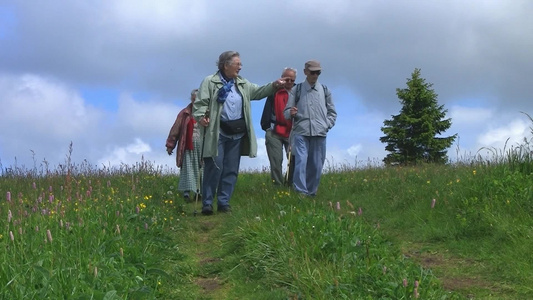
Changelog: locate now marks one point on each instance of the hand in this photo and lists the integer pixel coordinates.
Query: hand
(294, 111)
(280, 82)
(204, 121)
(169, 151)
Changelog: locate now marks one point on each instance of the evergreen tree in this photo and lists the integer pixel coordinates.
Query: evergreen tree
(411, 136)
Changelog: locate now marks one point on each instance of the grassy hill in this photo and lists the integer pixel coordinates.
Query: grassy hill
(461, 231)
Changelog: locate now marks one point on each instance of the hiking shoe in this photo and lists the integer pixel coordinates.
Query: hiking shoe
(207, 210)
(224, 209)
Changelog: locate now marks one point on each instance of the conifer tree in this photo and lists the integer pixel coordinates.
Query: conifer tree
(413, 136)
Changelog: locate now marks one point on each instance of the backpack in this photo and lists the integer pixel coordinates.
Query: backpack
(299, 91)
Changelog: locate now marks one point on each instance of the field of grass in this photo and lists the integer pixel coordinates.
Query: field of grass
(461, 231)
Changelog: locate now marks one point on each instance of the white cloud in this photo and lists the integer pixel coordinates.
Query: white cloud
(146, 117)
(354, 150)
(128, 154)
(513, 133)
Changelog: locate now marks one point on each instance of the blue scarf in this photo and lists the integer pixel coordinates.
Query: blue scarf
(224, 91)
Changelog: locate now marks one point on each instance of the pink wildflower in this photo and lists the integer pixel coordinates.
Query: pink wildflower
(338, 206)
(360, 212)
(50, 189)
(433, 203)
(405, 282)
(51, 199)
(8, 196)
(9, 216)
(11, 236)
(137, 209)
(34, 186)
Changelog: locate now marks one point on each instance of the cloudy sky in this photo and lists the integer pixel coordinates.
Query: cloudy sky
(110, 76)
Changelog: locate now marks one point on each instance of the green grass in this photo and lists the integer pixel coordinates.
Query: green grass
(125, 234)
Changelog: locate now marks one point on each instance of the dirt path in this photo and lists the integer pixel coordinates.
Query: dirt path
(205, 249)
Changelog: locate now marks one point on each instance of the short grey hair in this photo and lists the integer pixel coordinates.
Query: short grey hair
(194, 91)
(225, 58)
(289, 69)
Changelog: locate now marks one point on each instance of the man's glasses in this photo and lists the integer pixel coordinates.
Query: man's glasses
(290, 80)
(315, 72)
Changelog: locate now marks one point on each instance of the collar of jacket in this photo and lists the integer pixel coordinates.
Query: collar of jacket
(216, 79)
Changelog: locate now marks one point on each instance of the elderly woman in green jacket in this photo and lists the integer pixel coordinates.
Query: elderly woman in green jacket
(223, 108)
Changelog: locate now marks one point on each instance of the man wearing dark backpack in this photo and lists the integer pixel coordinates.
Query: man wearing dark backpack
(313, 113)
(277, 128)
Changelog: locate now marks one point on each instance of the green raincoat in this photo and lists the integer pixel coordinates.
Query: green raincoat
(207, 99)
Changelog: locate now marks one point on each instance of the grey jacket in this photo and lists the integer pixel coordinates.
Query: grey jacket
(316, 111)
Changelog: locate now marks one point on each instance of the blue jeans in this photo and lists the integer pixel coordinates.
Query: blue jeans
(310, 155)
(220, 173)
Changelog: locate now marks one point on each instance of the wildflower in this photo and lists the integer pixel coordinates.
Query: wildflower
(258, 218)
(37, 228)
(34, 186)
(360, 211)
(118, 213)
(474, 172)
(415, 291)
(9, 216)
(8, 196)
(108, 183)
(121, 251)
(428, 182)
(95, 271)
(433, 203)
(51, 198)
(338, 206)
(11, 236)
(20, 230)
(49, 235)
(282, 213)
(404, 282)
(137, 209)
(384, 270)
(50, 189)
(118, 229)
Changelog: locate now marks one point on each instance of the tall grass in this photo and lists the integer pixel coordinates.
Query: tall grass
(83, 233)
(87, 232)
